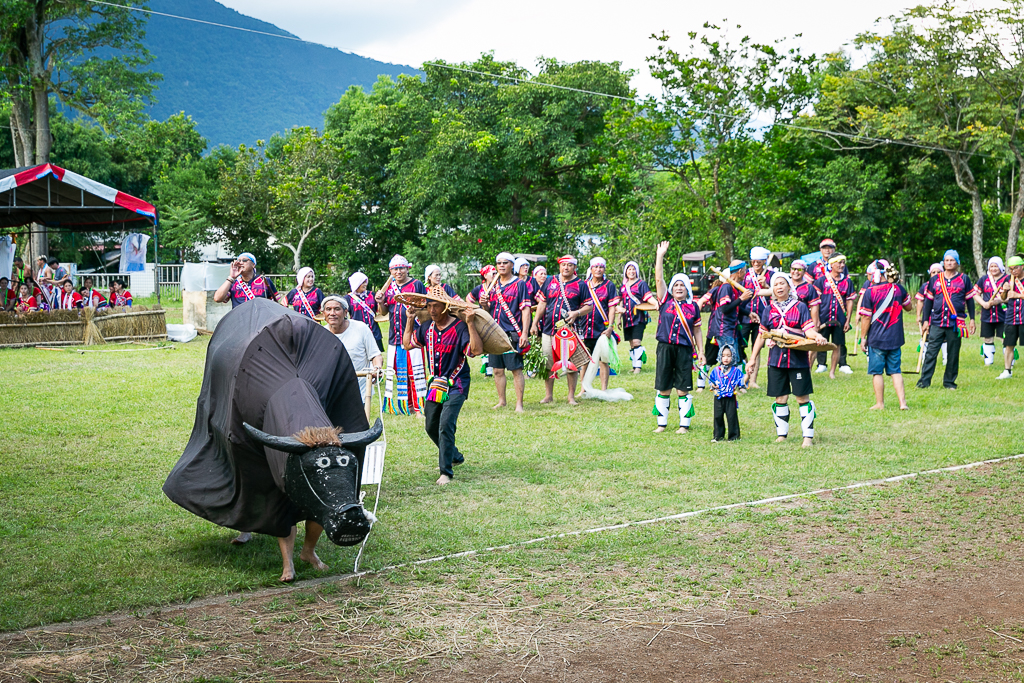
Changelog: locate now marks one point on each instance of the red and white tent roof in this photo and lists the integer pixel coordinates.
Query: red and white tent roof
(59, 198)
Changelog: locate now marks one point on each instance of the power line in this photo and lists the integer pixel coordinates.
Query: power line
(793, 126)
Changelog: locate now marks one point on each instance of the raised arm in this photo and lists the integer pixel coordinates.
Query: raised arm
(659, 270)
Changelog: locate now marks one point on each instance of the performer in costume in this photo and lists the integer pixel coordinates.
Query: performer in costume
(947, 308)
(362, 305)
(751, 311)
(119, 296)
(405, 380)
(634, 292)
(540, 278)
(827, 247)
(25, 303)
(933, 270)
(357, 338)
(881, 326)
(565, 298)
(509, 305)
(789, 371)
(7, 294)
(448, 341)
(480, 293)
(992, 315)
(243, 284)
(306, 298)
(706, 302)
(679, 344)
(521, 267)
(19, 271)
(837, 293)
(726, 379)
(805, 293)
(44, 277)
(37, 293)
(432, 278)
(1013, 328)
(92, 297)
(69, 299)
(726, 302)
(604, 295)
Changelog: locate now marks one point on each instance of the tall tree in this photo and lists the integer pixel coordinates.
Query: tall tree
(702, 129)
(51, 47)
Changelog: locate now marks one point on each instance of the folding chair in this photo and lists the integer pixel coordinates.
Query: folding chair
(373, 460)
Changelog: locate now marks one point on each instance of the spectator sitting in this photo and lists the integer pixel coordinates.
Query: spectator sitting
(37, 293)
(25, 303)
(68, 299)
(91, 297)
(8, 293)
(119, 296)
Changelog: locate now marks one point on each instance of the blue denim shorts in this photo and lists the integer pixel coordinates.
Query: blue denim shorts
(884, 360)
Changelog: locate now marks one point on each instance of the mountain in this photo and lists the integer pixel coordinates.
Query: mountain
(239, 86)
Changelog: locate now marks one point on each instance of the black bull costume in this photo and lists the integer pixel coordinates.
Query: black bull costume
(270, 373)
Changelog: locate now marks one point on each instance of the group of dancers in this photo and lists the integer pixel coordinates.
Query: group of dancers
(53, 289)
(752, 307)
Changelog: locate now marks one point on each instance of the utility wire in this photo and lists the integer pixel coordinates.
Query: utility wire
(793, 126)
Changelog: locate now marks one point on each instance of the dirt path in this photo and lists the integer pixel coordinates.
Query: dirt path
(920, 581)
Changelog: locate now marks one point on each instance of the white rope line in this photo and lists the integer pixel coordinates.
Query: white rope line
(681, 515)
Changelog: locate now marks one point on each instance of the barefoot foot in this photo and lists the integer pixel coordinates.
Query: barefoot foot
(311, 557)
(682, 430)
(519, 408)
(781, 439)
(498, 405)
(877, 406)
(659, 430)
(288, 574)
(904, 407)
(546, 399)
(573, 402)
(443, 479)
(808, 442)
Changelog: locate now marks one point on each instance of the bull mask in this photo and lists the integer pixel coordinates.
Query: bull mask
(324, 481)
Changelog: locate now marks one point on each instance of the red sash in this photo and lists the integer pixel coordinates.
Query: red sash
(961, 325)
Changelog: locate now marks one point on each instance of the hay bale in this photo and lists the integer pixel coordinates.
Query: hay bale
(136, 323)
(92, 334)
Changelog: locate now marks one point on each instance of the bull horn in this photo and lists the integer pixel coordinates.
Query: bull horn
(363, 438)
(282, 443)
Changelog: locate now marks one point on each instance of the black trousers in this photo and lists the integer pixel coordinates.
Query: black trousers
(441, 419)
(834, 334)
(725, 409)
(936, 336)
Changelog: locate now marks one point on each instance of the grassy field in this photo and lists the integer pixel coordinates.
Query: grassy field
(87, 440)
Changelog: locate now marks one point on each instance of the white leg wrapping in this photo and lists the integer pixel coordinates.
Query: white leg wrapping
(701, 382)
(807, 419)
(635, 355)
(686, 411)
(661, 406)
(944, 353)
(990, 353)
(780, 412)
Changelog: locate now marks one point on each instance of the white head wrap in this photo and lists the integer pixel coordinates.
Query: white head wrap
(517, 266)
(999, 262)
(432, 268)
(681, 277)
(504, 256)
(628, 264)
(935, 268)
(792, 290)
(876, 271)
(759, 254)
(335, 297)
(399, 261)
(598, 261)
(301, 275)
(356, 279)
(539, 268)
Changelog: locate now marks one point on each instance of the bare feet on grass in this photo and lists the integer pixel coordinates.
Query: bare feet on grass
(832, 375)
(288, 574)
(547, 399)
(520, 409)
(682, 430)
(659, 430)
(904, 407)
(877, 406)
(242, 538)
(443, 480)
(499, 404)
(781, 439)
(573, 402)
(808, 442)
(310, 556)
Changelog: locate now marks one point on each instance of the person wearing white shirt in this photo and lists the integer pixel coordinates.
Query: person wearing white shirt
(356, 336)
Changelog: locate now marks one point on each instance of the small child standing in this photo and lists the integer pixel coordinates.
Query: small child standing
(726, 379)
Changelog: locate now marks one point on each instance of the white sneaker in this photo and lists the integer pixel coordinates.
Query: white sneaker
(1005, 374)
(846, 370)
(820, 369)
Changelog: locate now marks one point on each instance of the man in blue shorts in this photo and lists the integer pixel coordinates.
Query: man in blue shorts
(881, 330)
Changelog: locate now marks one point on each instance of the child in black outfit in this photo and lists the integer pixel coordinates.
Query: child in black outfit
(726, 379)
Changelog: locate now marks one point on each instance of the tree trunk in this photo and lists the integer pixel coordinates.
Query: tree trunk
(966, 182)
(40, 80)
(1017, 206)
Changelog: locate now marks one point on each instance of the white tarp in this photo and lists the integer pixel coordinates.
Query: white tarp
(203, 277)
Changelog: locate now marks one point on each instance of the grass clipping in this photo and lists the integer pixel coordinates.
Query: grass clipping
(86, 326)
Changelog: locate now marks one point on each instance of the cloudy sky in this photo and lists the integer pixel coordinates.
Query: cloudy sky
(412, 32)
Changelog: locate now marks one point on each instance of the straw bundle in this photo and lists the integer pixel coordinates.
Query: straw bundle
(41, 327)
(138, 323)
(81, 326)
(92, 333)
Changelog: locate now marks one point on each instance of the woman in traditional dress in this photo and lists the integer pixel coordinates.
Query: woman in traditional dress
(432, 278)
(25, 303)
(92, 297)
(119, 296)
(985, 294)
(789, 370)
(69, 299)
(635, 291)
(362, 305)
(306, 298)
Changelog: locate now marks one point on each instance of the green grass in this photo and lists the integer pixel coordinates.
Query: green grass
(87, 440)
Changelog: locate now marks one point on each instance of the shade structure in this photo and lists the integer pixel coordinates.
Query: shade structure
(57, 198)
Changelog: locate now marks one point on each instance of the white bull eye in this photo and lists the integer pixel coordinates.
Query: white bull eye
(323, 462)
(342, 460)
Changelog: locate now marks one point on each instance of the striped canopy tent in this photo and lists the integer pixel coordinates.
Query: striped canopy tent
(63, 200)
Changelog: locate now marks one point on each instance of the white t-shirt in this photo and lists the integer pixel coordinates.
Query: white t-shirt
(361, 347)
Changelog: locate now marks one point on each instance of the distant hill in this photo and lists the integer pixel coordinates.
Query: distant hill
(240, 87)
